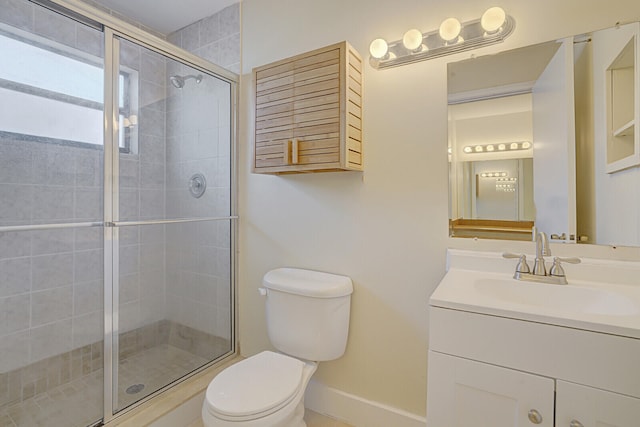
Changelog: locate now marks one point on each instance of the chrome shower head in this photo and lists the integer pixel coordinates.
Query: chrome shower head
(179, 81)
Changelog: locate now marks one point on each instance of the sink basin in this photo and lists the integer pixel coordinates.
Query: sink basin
(602, 296)
(569, 298)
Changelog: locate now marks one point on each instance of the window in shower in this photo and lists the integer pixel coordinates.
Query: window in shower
(49, 93)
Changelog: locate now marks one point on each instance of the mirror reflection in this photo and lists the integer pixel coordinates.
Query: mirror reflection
(543, 137)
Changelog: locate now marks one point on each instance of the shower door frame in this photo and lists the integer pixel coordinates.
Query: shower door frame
(113, 30)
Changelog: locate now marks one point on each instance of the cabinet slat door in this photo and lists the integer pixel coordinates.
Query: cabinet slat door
(317, 108)
(593, 407)
(274, 115)
(464, 393)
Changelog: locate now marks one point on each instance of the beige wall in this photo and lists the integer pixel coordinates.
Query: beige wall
(386, 227)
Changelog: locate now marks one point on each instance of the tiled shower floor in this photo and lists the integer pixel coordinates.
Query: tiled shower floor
(79, 403)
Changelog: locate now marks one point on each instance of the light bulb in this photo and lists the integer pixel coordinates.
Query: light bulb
(493, 19)
(514, 146)
(379, 48)
(526, 145)
(468, 149)
(489, 147)
(502, 147)
(450, 29)
(412, 39)
(478, 148)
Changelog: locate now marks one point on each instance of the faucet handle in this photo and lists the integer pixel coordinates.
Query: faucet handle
(522, 266)
(556, 268)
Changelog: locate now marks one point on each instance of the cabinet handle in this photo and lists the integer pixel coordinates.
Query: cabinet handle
(294, 152)
(575, 423)
(535, 417)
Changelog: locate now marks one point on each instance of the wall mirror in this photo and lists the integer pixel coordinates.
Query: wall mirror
(543, 138)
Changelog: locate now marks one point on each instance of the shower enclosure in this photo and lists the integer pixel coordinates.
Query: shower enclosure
(116, 215)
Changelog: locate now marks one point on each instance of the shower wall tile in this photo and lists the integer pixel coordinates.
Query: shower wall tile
(151, 149)
(16, 162)
(52, 242)
(51, 166)
(153, 68)
(88, 265)
(89, 238)
(15, 244)
(87, 329)
(14, 314)
(51, 305)
(210, 30)
(88, 204)
(129, 288)
(51, 339)
(129, 259)
(17, 13)
(230, 20)
(88, 168)
(229, 53)
(152, 204)
(191, 36)
(89, 41)
(129, 173)
(87, 297)
(52, 203)
(15, 350)
(15, 276)
(210, 52)
(129, 204)
(152, 122)
(152, 95)
(54, 26)
(17, 203)
(152, 175)
(52, 271)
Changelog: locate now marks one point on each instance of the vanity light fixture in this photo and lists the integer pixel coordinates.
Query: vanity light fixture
(451, 37)
(489, 148)
(495, 175)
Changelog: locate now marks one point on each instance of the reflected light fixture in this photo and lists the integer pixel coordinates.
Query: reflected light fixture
(451, 37)
(490, 148)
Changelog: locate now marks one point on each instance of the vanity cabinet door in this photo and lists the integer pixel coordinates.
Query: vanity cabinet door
(463, 393)
(587, 406)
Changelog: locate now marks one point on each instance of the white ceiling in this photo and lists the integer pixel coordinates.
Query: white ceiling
(166, 16)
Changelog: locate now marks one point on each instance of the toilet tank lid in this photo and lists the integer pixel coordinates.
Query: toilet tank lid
(308, 283)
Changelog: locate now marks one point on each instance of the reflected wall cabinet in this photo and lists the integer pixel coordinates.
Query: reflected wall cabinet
(309, 112)
(623, 100)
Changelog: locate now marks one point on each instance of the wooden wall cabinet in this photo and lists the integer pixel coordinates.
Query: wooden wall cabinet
(309, 112)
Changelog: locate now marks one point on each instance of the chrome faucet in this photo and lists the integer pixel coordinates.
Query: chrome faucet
(539, 274)
(542, 250)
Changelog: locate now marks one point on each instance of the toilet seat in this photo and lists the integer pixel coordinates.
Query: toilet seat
(255, 387)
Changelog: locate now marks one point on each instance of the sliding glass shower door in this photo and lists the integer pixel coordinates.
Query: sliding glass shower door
(51, 218)
(116, 217)
(172, 204)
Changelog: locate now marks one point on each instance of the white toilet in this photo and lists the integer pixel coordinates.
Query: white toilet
(308, 319)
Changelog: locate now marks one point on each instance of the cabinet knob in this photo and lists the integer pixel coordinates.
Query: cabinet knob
(535, 417)
(575, 423)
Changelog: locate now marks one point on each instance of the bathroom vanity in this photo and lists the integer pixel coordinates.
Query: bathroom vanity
(504, 352)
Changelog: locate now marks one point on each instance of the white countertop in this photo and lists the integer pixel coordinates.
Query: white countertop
(482, 282)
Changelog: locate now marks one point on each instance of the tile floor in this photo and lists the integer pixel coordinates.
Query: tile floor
(79, 403)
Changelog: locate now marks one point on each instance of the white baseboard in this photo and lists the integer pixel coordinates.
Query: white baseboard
(355, 410)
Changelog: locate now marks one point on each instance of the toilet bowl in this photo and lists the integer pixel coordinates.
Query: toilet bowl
(266, 390)
(308, 319)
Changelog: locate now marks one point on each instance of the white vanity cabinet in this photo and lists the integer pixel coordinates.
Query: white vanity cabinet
(588, 406)
(468, 393)
(492, 371)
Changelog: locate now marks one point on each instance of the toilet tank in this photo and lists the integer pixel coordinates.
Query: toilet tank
(308, 312)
